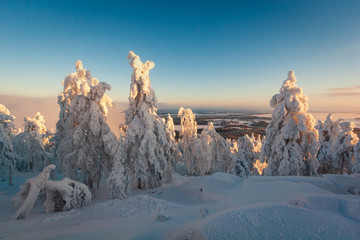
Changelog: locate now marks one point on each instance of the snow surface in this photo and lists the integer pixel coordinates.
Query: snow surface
(218, 206)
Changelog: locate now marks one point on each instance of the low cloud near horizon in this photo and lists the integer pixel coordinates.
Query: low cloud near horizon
(353, 91)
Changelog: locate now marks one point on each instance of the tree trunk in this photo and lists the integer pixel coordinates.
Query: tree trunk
(342, 164)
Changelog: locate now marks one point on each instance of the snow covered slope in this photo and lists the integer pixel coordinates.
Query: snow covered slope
(220, 206)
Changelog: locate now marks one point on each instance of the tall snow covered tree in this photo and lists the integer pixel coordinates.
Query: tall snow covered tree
(7, 131)
(291, 141)
(343, 147)
(188, 137)
(78, 83)
(87, 147)
(329, 130)
(145, 139)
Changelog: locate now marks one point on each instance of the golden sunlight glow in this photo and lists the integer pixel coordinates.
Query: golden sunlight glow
(260, 166)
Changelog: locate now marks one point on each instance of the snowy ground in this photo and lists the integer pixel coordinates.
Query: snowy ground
(220, 206)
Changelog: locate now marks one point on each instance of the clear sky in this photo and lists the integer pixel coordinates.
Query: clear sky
(207, 53)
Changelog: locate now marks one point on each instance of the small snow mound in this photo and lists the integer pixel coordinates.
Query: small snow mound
(186, 233)
(344, 183)
(349, 207)
(203, 189)
(203, 212)
(271, 221)
(161, 213)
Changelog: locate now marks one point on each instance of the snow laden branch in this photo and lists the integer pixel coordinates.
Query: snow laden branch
(148, 149)
(28, 194)
(291, 141)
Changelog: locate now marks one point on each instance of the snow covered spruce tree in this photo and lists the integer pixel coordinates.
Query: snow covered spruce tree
(7, 131)
(356, 166)
(173, 150)
(29, 146)
(36, 127)
(239, 166)
(343, 147)
(329, 130)
(221, 158)
(29, 153)
(250, 147)
(146, 141)
(85, 144)
(188, 137)
(77, 83)
(291, 141)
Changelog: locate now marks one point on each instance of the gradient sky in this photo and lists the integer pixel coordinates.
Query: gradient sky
(207, 53)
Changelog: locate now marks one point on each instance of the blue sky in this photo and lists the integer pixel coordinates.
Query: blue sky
(207, 53)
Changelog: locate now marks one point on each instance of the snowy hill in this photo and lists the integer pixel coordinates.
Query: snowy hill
(219, 206)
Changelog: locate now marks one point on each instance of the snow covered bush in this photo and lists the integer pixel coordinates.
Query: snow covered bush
(250, 147)
(188, 137)
(240, 166)
(65, 195)
(291, 141)
(85, 145)
(146, 142)
(7, 131)
(343, 148)
(29, 192)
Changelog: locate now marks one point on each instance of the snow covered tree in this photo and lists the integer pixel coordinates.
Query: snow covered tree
(356, 165)
(7, 131)
(78, 83)
(291, 141)
(29, 153)
(343, 147)
(173, 150)
(239, 166)
(36, 127)
(329, 130)
(29, 146)
(188, 137)
(221, 158)
(250, 147)
(85, 144)
(145, 139)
